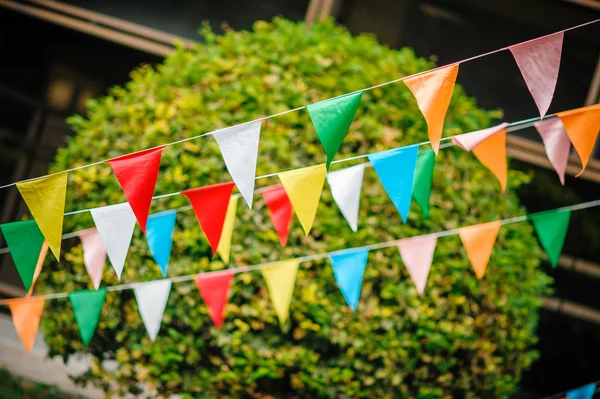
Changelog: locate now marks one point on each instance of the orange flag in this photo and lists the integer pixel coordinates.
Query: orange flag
(478, 241)
(38, 266)
(492, 154)
(433, 91)
(582, 126)
(26, 315)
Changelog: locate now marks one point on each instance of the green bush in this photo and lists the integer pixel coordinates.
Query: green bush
(464, 338)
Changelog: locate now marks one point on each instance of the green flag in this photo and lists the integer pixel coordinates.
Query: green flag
(87, 306)
(424, 180)
(332, 119)
(551, 229)
(25, 240)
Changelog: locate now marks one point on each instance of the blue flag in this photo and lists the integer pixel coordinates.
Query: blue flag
(159, 234)
(396, 170)
(584, 392)
(348, 269)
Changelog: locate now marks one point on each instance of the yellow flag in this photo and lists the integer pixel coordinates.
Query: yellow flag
(224, 247)
(45, 198)
(303, 187)
(281, 279)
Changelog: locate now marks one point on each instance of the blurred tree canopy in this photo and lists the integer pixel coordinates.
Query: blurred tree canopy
(465, 338)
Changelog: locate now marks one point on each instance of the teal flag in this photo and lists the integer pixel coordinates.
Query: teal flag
(424, 180)
(25, 240)
(584, 392)
(332, 119)
(87, 306)
(348, 270)
(552, 229)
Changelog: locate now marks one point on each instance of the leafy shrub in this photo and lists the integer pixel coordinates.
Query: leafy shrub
(464, 338)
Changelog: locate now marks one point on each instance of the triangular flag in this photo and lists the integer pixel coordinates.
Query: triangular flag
(94, 254)
(557, 144)
(214, 290)
(25, 240)
(417, 255)
(489, 146)
(210, 205)
(137, 174)
(396, 171)
(87, 306)
(539, 62)
(38, 267)
(582, 126)
(115, 224)
(224, 247)
(303, 187)
(160, 237)
(552, 229)
(346, 185)
(348, 270)
(584, 392)
(332, 119)
(281, 211)
(424, 180)
(152, 298)
(26, 315)
(239, 148)
(479, 241)
(281, 279)
(433, 91)
(45, 198)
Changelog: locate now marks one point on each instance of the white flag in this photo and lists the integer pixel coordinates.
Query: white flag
(239, 147)
(417, 255)
(346, 185)
(152, 300)
(115, 223)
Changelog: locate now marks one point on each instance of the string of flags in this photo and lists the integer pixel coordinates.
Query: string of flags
(417, 254)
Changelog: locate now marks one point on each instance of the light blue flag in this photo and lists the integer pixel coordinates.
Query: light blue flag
(159, 234)
(348, 269)
(396, 170)
(584, 392)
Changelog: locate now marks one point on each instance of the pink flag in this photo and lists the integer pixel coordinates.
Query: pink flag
(539, 61)
(417, 255)
(94, 254)
(468, 141)
(557, 144)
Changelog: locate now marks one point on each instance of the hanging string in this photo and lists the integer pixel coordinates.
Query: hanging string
(304, 106)
(310, 258)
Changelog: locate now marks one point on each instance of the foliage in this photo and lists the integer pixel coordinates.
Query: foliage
(16, 388)
(464, 338)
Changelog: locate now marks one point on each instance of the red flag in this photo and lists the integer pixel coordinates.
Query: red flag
(210, 206)
(281, 211)
(214, 290)
(137, 175)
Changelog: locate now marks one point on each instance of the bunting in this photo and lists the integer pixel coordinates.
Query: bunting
(583, 392)
(224, 248)
(280, 208)
(25, 241)
(281, 279)
(214, 290)
(478, 241)
(210, 206)
(396, 171)
(346, 185)
(115, 224)
(556, 143)
(433, 91)
(45, 198)
(137, 174)
(239, 148)
(94, 254)
(424, 180)
(303, 187)
(348, 270)
(539, 62)
(160, 238)
(332, 119)
(551, 228)
(152, 298)
(417, 255)
(26, 315)
(582, 126)
(87, 307)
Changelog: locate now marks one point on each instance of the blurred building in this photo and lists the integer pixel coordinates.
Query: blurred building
(56, 55)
